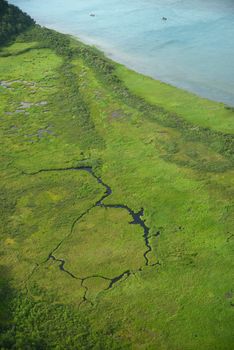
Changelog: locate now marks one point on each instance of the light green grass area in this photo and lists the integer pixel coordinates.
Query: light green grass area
(196, 110)
(76, 268)
(16, 48)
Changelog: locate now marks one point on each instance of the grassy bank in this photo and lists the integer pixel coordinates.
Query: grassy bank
(198, 111)
(65, 106)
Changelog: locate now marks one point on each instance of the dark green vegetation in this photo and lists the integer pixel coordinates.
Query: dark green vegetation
(12, 21)
(83, 149)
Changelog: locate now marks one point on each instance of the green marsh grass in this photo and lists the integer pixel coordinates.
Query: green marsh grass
(73, 117)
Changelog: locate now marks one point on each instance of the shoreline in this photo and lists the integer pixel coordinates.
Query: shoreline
(193, 108)
(174, 70)
(119, 57)
(123, 59)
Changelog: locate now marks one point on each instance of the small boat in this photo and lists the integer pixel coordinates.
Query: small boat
(92, 14)
(164, 18)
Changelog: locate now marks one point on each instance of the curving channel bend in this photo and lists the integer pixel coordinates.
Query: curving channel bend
(136, 220)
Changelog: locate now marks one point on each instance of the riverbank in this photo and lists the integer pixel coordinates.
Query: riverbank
(83, 265)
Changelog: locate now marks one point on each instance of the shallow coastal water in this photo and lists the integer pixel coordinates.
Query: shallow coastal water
(192, 49)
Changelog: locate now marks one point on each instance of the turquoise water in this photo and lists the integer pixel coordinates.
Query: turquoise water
(193, 49)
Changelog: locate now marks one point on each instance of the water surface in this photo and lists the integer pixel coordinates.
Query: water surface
(193, 49)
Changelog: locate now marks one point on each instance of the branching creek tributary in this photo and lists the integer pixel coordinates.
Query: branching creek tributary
(136, 220)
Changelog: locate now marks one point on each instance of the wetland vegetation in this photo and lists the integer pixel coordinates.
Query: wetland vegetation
(116, 205)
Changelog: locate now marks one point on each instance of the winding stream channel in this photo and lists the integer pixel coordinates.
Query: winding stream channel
(136, 220)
